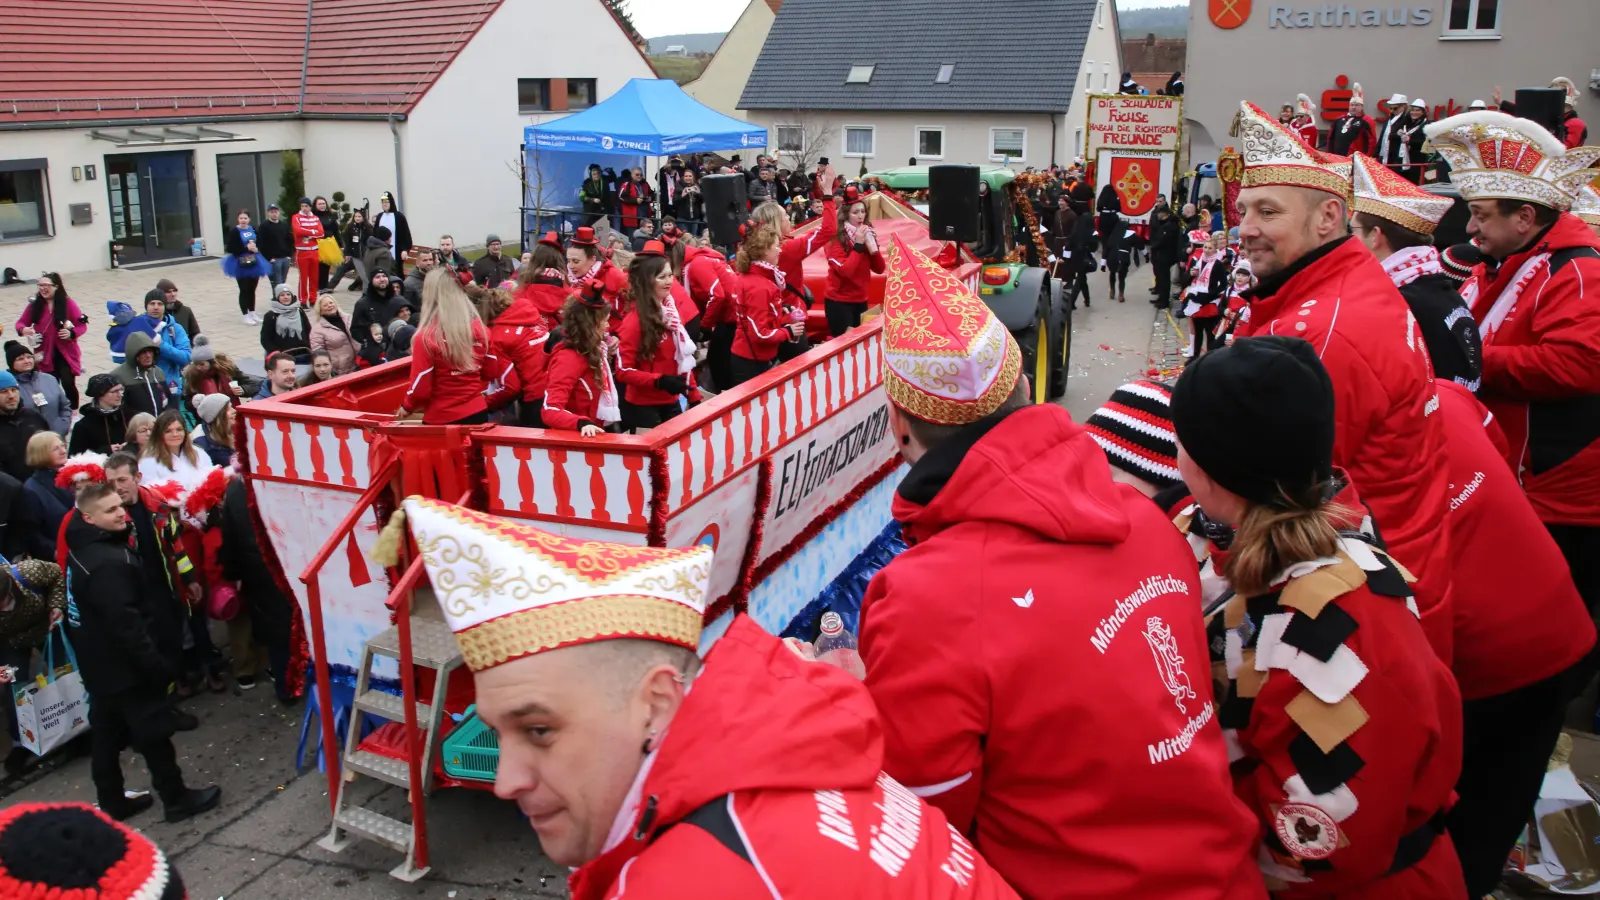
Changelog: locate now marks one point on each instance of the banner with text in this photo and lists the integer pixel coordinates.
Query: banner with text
(1128, 122)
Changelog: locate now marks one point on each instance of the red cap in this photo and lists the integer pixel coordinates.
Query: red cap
(551, 239)
(584, 237)
(652, 248)
(851, 193)
(592, 293)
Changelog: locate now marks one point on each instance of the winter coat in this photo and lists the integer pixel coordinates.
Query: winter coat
(760, 316)
(50, 342)
(144, 390)
(242, 561)
(490, 270)
(125, 633)
(572, 391)
(15, 430)
(215, 452)
(1499, 550)
(183, 314)
(1541, 369)
(806, 814)
(47, 506)
(545, 301)
(117, 333)
(171, 341)
(850, 271)
(98, 429)
(218, 382)
(355, 239)
(1351, 802)
(689, 207)
(712, 284)
(442, 393)
(594, 196)
(615, 285)
(1056, 585)
(273, 239)
(1454, 346)
(640, 237)
(42, 589)
(375, 309)
(273, 342)
(332, 335)
(16, 524)
(1166, 241)
(638, 376)
(43, 394)
(411, 288)
(519, 337)
(795, 250)
(377, 255)
(1386, 434)
(633, 202)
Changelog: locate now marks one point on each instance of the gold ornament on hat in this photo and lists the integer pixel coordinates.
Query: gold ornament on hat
(1382, 193)
(1587, 204)
(1275, 156)
(1494, 156)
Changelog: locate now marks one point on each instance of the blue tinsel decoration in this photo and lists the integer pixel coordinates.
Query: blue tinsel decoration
(845, 593)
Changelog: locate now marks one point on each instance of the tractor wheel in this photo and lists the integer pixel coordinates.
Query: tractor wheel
(1060, 338)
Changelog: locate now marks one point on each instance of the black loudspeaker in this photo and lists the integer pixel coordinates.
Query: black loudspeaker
(1542, 105)
(726, 207)
(953, 203)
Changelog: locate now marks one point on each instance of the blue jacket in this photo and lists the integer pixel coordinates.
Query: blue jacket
(173, 353)
(122, 316)
(55, 409)
(49, 505)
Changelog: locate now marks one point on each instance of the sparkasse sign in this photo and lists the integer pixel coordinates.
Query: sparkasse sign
(1129, 122)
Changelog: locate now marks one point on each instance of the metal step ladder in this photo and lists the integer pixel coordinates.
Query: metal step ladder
(433, 646)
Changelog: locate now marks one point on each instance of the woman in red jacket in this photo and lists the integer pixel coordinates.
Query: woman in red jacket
(307, 230)
(451, 361)
(853, 258)
(543, 289)
(633, 200)
(585, 263)
(657, 353)
(579, 393)
(1344, 726)
(518, 335)
(762, 323)
(714, 288)
(791, 260)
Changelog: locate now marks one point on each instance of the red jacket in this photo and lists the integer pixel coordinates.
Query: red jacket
(443, 393)
(711, 284)
(546, 300)
(571, 391)
(760, 315)
(792, 256)
(1344, 728)
(1010, 654)
(850, 271)
(616, 286)
(1541, 372)
(638, 375)
(1500, 551)
(307, 230)
(1306, 130)
(786, 757)
(1387, 437)
(1573, 132)
(518, 339)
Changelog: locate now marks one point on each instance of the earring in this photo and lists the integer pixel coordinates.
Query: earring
(905, 440)
(645, 748)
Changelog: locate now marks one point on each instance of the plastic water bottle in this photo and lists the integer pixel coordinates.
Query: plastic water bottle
(837, 646)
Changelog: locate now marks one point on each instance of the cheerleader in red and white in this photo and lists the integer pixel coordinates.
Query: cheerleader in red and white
(542, 292)
(714, 287)
(307, 230)
(763, 324)
(580, 394)
(585, 263)
(657, 354)
(452, 362)
(794, 250)
(853, 258)
(1204, 293)
(518, 332)
(1236, 307)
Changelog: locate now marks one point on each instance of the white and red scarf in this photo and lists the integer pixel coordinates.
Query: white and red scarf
(575, 279)
(1489, 323)
(682, 346)
(777, 273)
(1406, 266)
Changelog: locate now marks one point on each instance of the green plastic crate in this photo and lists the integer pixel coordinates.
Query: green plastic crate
(471, 752)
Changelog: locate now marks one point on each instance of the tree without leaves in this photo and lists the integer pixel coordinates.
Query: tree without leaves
(817, 134)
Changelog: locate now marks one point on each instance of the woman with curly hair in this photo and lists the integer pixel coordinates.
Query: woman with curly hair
(580, 394)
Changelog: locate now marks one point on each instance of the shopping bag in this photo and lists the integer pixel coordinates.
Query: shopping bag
(53, 708)
(328, 251)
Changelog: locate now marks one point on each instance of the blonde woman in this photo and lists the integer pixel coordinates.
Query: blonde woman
(171, 454)
(137, 438)
(330, 332)
(451, 360)
(49, 504)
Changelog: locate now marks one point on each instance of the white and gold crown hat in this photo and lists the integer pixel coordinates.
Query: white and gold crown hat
(1587, 205)
(1494, 156)
(510, 590)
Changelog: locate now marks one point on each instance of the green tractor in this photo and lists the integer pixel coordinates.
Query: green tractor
(1028, 301)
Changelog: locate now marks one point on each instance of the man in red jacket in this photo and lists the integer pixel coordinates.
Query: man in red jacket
(763, 781)
(307, 230)
(1356, 132)
(1319, 284)
(1037, 654)
(1536, 298)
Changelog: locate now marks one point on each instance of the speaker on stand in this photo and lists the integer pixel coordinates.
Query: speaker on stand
(726, 207)
(953, 203)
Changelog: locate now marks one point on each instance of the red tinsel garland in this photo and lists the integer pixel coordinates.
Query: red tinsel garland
(299, 650)
(823, 521)
(656, 535)
(739, 597)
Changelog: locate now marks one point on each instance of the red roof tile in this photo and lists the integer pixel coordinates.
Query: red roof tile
(72, 60)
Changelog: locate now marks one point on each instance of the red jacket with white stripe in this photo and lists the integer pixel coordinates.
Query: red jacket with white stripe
(761, 316)
(639, 375)
(712, 284)
(572, 392)
(1388, 435)
(792, 256)
(307, 230)
(850, 271)
(518, 339)
(1039, 661)
(769, 784)
(615, 283)
(1500, 550)
(443, 393)
(1541, 371)
(546, 300)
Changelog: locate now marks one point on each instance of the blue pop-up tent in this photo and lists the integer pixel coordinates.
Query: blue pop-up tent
(647, 117)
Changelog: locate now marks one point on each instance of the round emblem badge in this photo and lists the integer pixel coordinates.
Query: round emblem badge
(1306, 831)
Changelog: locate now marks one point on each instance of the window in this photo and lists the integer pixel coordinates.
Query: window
(1105, 76)
(1100, 13)
(1008, 144)
(1077, 142)
(930, 142)
(859, 74)
(1473, 19)
(860, 140)
(790, 138)
(24, 201)
(945, 71)
(580, 93)
(533, 95)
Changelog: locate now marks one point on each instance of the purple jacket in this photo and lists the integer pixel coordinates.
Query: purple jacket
(46, 353)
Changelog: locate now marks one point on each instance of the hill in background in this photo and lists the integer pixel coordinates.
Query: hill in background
(682, 69)
(1162, 21)
(692, 43)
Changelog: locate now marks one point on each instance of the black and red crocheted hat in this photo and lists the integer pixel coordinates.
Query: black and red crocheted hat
(1135, 430)
(50, 850)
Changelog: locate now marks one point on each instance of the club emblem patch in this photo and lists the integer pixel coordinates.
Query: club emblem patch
(1306, 831)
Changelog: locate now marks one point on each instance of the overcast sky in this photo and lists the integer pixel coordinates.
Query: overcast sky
(655, 18)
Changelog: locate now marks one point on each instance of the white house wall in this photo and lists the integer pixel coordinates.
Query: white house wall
(723, 80)
(966, 136)
(353, 157)
(1100, 71)
(80, 248)
(463, 141)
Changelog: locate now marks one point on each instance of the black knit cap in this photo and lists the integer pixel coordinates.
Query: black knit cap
(15, 349)
(62, 849)
(1458, 261)
(100, 385)
(1257, 417)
